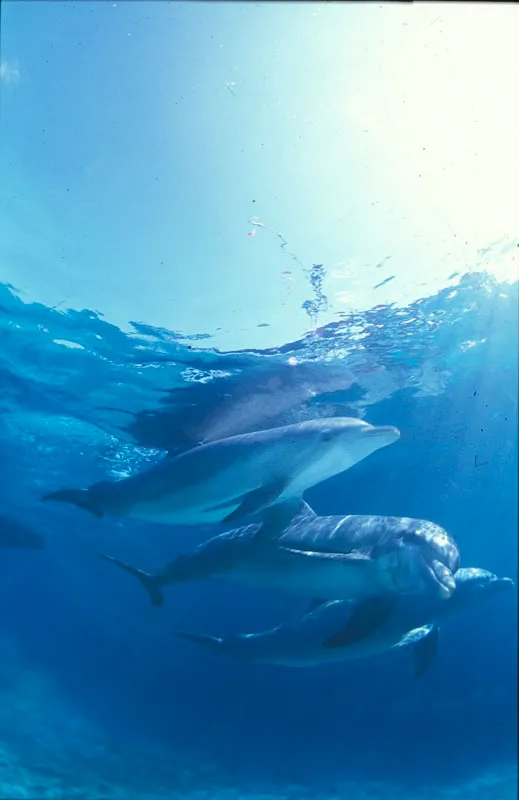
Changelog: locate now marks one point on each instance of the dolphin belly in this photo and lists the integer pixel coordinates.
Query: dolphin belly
(205, 499)
(209, 483)
(320, 469)
(173, 514)
(331, 579)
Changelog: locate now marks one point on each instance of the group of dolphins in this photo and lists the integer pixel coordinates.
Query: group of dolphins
(374, 583)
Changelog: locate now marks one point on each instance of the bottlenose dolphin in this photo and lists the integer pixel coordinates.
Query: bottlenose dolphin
(231, 479)
(364, 558)
(310, 640)
(16, 534)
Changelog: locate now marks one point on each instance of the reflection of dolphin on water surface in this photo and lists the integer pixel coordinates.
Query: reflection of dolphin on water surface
(273, 395)
(313, 638)
(234, 478)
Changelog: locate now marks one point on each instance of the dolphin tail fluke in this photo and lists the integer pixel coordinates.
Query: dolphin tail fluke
(81, 498)
(213, 642)
(147, 581)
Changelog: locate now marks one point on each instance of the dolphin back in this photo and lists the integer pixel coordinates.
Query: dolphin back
(378, 534)
(340, 534)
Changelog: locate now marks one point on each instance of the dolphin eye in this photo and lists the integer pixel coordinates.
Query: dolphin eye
(326, 436)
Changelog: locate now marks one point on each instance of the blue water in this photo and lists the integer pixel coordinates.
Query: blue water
(97, 696)
(220, 217)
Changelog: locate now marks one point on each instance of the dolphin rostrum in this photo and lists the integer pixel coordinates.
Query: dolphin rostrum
(366, 558)
(231, 479)
(310, 640)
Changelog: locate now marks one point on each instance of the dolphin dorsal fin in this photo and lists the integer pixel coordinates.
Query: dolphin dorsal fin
(306, 511)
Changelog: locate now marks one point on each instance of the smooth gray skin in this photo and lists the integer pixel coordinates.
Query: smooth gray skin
(353, 557)
(302, 642)
(235, 478)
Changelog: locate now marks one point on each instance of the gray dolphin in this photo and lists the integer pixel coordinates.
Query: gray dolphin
(231, 479)
(310, 640)
(366, 558)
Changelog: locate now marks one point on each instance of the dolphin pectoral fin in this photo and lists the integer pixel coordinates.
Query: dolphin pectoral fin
(365, 619)
(254, 501)
(425, 652)
(353, 558)
(446, 584)
(81, 498)
(147, 581)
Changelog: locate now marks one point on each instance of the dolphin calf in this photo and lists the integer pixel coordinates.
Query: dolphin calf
(366, 558)
(310, 640)
(231, 479)
(15, 534)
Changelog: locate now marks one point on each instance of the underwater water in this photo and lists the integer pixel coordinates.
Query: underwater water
(145, 308)
(98, 698)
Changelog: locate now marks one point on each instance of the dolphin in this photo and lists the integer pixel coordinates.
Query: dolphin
(310, 640)
(231, 479)
(17, 535)
(366, 558)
